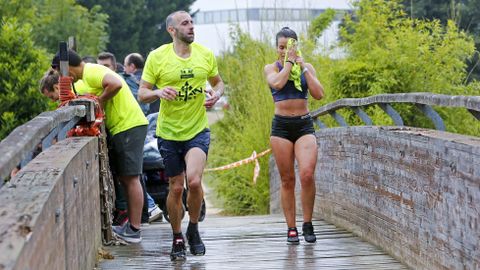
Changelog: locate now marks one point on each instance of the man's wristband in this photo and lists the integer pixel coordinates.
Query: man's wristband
(291, 62)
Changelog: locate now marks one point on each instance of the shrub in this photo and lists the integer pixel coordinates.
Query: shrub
(21, 66)
(245, 128)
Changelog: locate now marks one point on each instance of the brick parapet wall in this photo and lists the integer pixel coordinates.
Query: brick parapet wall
(413, 192)
(50, 212)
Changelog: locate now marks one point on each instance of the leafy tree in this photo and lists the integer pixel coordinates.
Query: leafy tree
(21, 65)
(320, 23)
(123, 24)
(56, 20)
(466, 14)
(28, 29)
(53, 21)
(137, 25)
(390, 52)
(18, 9)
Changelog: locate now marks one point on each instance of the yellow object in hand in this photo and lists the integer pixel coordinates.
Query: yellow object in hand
(295, 72)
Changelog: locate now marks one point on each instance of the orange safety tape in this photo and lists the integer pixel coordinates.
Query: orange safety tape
(239, 163)
(256, 170)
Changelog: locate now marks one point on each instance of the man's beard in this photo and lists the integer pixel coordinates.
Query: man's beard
(184, 38)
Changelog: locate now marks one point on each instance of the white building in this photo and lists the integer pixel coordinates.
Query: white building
(262, 19)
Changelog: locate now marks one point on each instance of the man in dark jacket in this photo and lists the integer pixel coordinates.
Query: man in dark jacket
(133, 66)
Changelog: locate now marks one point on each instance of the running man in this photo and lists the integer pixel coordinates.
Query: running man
(180, 71)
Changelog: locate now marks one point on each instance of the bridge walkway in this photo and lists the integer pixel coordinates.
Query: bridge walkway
(252, 242)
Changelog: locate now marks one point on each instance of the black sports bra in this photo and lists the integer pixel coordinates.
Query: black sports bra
(289, 91)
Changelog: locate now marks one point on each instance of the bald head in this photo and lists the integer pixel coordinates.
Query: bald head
(172, 18)
(180, 27)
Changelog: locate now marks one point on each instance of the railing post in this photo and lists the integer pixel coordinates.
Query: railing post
(18, 147)
(48, 140)
(72, 43)
(397, 119)
(65, 127)
(432, 115)
(338, 118)
(319, 123)
(63, 58)
(476, 114)
(365, 118)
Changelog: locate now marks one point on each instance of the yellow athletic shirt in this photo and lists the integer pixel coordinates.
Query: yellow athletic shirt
(122, 112)
(184, 117)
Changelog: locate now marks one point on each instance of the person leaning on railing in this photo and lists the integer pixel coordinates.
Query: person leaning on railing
(126, 127)
(291, 79)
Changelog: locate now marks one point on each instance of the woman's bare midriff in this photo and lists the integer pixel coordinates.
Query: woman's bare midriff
(291, 107)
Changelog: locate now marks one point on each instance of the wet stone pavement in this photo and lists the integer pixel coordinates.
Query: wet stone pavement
(251, 242)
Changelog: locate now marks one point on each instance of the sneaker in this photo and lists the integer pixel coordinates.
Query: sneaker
(308, 233)
(154, 213)
(127, 234)
(292, 236)
(197, 247)
(178, 250)
(120, 217)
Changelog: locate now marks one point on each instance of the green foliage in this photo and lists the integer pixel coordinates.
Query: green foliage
(17, 8)
(30, 28)
(320, 23)
(56, 20)
(244, 129)
(465, 13)
(123, 23)
(21, 65)
(137, 25)
(390, 52)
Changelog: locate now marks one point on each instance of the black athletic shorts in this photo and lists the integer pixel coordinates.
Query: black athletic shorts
(292, 127)
(125, 151)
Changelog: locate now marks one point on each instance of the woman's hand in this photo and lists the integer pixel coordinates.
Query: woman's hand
(300, 62)
(292, 54)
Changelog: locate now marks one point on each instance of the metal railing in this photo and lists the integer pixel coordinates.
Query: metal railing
(424, 101)
(38, 134)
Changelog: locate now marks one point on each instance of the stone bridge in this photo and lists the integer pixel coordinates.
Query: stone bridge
(405, 192)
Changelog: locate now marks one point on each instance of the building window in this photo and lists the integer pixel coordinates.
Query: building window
(242, 15)
(253, 14)
(208, 17)
(199, 18)
(256, 14)
(233, 16)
